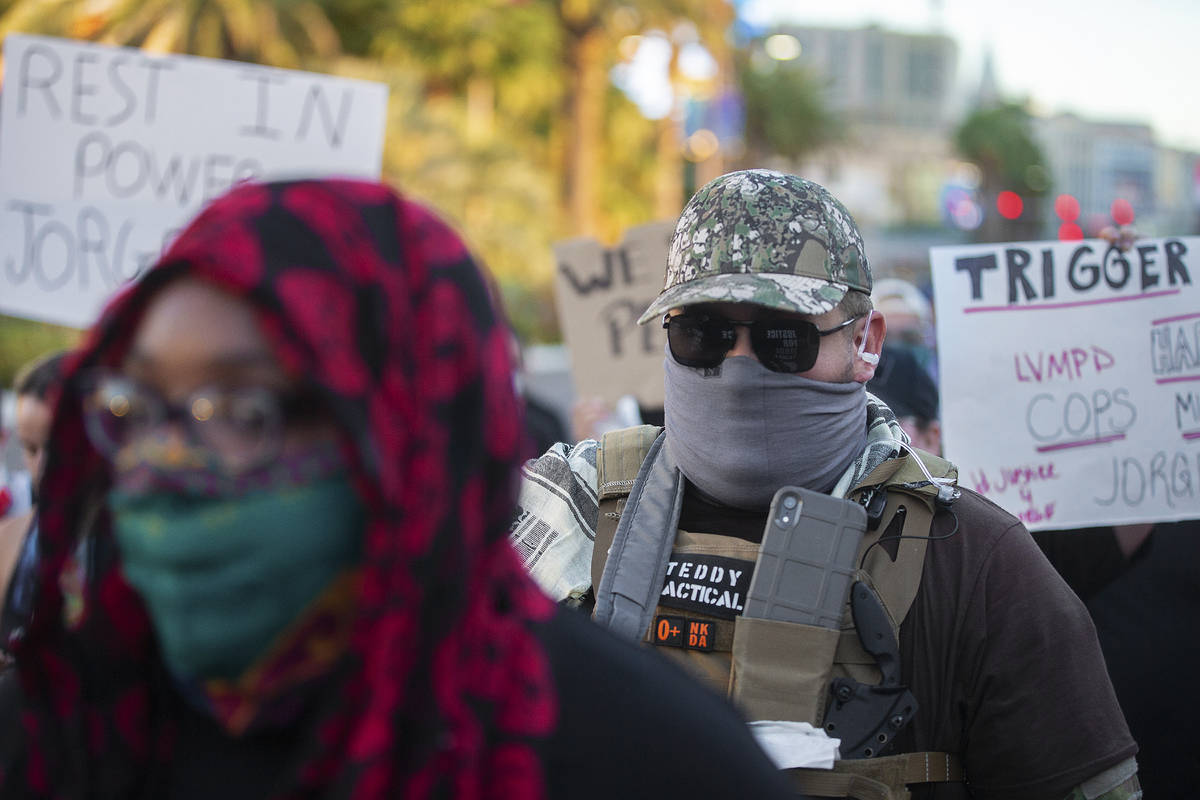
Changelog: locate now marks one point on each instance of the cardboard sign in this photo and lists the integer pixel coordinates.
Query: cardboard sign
(600, 294)
(106, 152)
(1070, 377)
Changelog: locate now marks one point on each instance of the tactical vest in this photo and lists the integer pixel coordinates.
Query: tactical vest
(772, 670)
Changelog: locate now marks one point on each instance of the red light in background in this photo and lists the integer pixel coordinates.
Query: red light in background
(1009, 204)
(1067, 207)
(1122, 211)
(1070, 232)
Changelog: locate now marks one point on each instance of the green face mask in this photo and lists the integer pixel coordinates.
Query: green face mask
(222, 578)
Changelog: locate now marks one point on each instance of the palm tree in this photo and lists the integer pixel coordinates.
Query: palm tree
(589, 48)
(999, 140)
(786, 112)
(262, 31)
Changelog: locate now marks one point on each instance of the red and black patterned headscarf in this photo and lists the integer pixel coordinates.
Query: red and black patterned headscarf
(447, 692)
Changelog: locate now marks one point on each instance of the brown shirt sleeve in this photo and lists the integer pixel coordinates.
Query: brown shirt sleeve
(1005, 664)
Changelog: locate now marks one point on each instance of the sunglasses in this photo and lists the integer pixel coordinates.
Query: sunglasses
(781, 345)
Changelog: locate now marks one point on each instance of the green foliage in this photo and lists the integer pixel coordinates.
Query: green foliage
(481, 123)
(454, 41)
(284, 34)
(357, 22)
(999, 139)
(531, 311)
(492, 189)
(22, 341)
(786, 112)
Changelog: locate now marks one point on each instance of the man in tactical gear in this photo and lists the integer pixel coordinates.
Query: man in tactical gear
(771, 340)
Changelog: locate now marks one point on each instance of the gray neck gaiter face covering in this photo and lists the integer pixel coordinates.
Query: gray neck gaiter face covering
(740, 431)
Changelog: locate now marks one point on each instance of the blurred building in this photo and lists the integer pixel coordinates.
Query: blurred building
(1177, 189)
(880, 77)
(896, 93)
(1098, 162)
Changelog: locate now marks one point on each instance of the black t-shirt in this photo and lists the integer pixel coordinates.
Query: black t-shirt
(1000, 654)
(1005, 663)
(1087, 558)
(630, 725)
(1146, 621)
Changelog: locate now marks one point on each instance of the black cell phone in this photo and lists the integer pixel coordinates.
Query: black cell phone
(806, 562)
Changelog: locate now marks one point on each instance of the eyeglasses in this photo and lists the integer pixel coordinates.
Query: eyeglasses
(781, 345)
(242, 427)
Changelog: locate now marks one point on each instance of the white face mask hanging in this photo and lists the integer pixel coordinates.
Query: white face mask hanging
(870, 358)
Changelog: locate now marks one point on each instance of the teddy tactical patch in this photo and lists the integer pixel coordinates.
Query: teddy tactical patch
(714, 585)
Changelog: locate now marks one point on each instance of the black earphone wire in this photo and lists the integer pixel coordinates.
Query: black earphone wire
(883, 539)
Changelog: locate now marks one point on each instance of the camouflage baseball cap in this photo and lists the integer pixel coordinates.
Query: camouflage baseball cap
(767, 238)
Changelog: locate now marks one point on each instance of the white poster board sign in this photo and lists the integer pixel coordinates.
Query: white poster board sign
(106, 152)
(1070, 377)
(600, 293)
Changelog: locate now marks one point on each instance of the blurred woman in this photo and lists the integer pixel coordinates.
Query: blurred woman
(36, 387)
(293, 446)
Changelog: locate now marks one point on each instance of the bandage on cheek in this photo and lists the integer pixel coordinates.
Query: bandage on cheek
(870, 358)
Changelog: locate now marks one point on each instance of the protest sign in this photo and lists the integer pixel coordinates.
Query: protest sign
(106, 152)
(600, 294)
(1070, 377)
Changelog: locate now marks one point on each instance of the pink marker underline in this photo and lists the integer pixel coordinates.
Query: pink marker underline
(1179, 379)
(1173, 319)
(1076, 304)
(1065, 445)
(1192, 435)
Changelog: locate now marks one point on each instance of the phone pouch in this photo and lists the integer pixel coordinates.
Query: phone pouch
(781, 670)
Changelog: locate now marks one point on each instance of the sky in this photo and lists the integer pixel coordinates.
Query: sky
(1133, 61)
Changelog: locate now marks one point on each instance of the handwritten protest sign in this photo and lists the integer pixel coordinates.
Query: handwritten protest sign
(106, 152)
(1070, 377)
(600, 294)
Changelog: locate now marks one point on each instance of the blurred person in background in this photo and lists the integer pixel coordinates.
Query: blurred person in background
(12, 533)
(592, 417)
(543, 425)
(1141, 584)
(36, 388)
(1146, 622)
(910, 320)
(8, 502)
(294, 444)
(16, 485)
(542, 422)
(903, 384)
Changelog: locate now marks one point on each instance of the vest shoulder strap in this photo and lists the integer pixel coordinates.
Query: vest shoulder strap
(905, 474)
(619, 458)
(896, 575)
